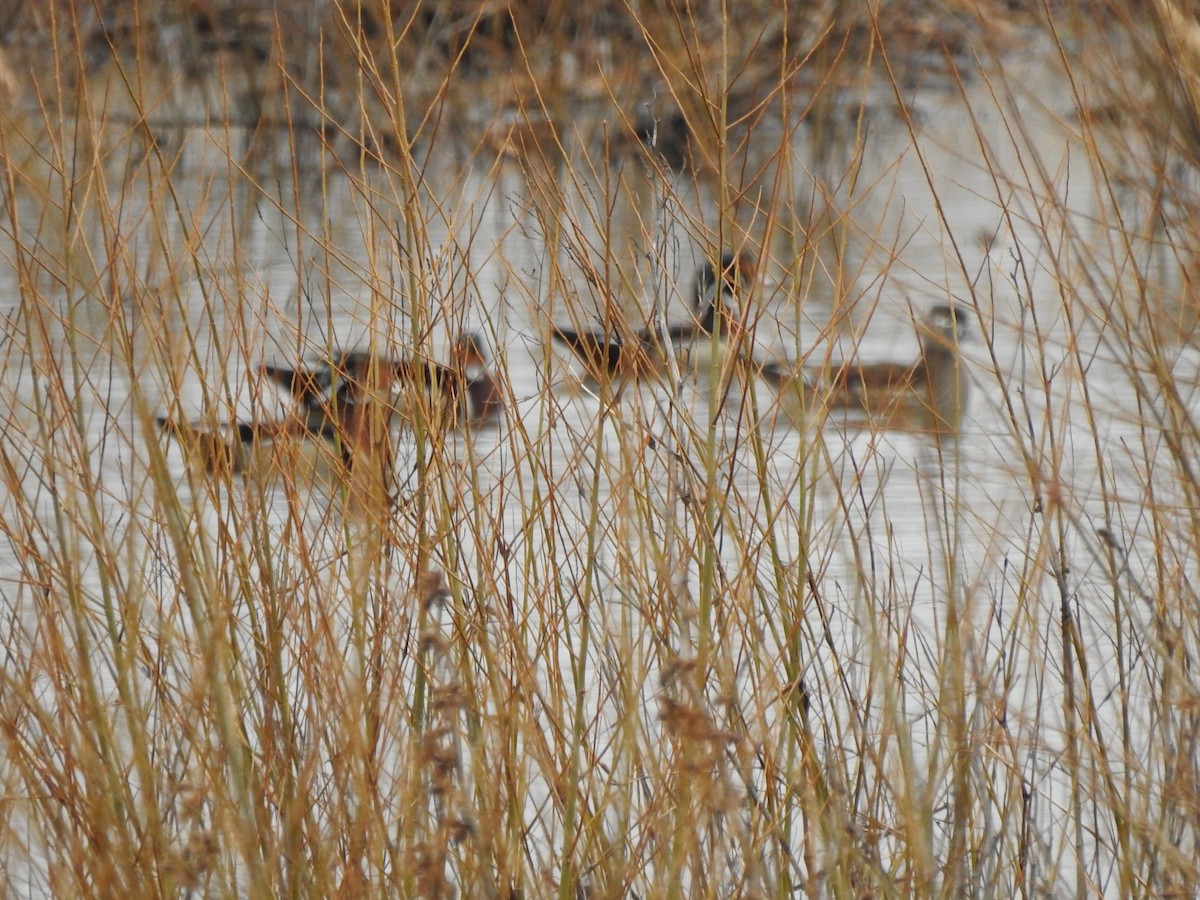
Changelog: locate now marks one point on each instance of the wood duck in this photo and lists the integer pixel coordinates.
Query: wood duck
(351, 403)
(216, 451)
(633, 354)
(927, 395)
(353, 399)
(261, 451)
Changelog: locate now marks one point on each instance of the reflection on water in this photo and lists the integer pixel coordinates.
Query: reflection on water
(286, 263)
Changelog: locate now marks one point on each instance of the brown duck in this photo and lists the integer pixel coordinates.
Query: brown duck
(627, 354)
(926, 395)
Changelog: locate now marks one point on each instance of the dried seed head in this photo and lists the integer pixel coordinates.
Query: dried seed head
(442, 759)
(432, 588)
(689, 723)
(675, 669)
(448, 698)
(189, 863)
(458, 830)
(431, 642)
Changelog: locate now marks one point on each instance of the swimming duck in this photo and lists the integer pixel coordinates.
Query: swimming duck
(215, 451)
(351, 403)
(927, 395)
(353, 399)
(243, 449)
(642, 353)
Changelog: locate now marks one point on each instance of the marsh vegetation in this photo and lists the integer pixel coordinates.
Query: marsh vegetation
(743, 625)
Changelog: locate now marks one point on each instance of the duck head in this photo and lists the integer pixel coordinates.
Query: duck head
(947, 324)
(720, 294)
(479, 392)
(468, 355)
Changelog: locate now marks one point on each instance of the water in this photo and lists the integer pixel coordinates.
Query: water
(947, 202)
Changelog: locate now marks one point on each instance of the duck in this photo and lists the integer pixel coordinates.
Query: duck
(350, 403)
(213, 450)
(926, 395)
(352, 400)
(637, 354)
(242, 449)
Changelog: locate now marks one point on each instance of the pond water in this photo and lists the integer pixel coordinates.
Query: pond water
(941, 567)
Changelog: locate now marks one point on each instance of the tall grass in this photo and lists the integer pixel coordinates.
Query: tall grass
(635, 640)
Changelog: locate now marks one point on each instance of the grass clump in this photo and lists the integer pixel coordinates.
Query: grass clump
(636, 638)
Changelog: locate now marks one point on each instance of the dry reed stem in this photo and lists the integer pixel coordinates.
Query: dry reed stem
(637, 642)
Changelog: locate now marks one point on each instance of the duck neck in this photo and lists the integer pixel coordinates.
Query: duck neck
(940, 370)
(481, 397)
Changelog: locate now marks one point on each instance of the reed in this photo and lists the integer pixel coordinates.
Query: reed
(654, 638)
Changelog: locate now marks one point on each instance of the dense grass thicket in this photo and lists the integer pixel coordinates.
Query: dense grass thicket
(661, 638)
